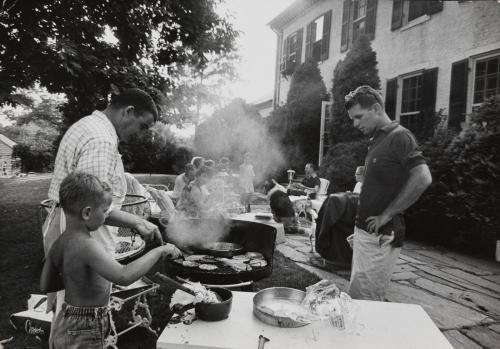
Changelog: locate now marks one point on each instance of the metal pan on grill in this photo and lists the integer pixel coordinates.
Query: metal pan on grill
(222, 249)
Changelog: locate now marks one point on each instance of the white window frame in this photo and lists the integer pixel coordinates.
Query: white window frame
(399, 99)
(472, 77)
(355, 21)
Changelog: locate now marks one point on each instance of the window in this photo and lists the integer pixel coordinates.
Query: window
(318, 37)
(292, 51)
(486, 79)
(411, 98)
(405, 11)
(358, 18)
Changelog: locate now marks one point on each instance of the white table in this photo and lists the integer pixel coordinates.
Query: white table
(380, 325)
(280, 230)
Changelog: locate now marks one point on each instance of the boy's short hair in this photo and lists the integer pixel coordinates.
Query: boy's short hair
(366, 96)
(80, 189)
(140, 100)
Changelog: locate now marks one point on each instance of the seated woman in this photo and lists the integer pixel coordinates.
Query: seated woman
(193, 202)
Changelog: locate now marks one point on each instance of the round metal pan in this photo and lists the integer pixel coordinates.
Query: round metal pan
(222, 249)
(264, 301)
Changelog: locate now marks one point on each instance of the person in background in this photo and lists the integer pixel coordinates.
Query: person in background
(194, 200)
(209, 163)
(197, 162)
(359, 179)
(395, 176)
(246, 181)
(182, 180)
(79, 264)
(309, 185)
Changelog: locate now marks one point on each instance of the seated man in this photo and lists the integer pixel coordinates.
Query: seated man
(309, 185)
(182, 180)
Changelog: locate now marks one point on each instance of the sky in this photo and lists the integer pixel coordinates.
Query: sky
(256, 44)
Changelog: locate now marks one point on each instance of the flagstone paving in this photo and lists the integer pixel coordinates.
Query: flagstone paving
(460, 293)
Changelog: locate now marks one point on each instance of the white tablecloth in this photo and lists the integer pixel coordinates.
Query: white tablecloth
(380, 325)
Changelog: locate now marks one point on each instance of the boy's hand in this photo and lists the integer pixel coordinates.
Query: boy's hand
(148, 230)
(170, 251)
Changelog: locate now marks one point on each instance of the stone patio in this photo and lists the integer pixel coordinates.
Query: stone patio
(460, 293)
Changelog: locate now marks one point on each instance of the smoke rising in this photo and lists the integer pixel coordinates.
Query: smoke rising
(238, 128)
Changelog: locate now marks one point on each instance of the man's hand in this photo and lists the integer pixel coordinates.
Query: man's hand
(170, 251)
(148, 230)
(374, 223)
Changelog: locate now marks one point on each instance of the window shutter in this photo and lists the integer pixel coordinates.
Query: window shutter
(284, 55)
(371, 16)
(298, 51)
(458, 93)
(325, 41)
(397, 14)
(309, 38)
(434, 6)
(344, 38)
(390, 98)
(429, 88)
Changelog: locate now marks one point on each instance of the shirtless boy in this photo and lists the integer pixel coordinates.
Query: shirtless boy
(80, 265)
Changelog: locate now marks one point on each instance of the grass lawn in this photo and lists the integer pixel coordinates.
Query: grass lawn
(22, 252)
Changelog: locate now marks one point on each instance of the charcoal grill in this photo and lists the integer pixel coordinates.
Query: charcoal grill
(253, 236)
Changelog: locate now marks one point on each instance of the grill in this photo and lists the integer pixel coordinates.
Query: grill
(253, 236)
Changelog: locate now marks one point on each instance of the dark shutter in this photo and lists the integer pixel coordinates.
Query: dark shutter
(344, 37)
(429, 88)
(397, 14)
(371, 16)
(458, 93)
(434, 6)
(390, 98)
(298, 51)
(325, 41)
(309, 38)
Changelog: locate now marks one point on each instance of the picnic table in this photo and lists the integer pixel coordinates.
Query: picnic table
(378, 325)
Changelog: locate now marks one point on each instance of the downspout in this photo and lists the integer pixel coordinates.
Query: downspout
(277, 80)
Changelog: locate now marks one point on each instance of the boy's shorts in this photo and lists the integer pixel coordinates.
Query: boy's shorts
(79, 327)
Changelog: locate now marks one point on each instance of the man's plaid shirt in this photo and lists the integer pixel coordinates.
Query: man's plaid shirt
(90, 145)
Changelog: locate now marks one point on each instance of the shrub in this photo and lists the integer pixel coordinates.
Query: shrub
(340, 164)
(461, 206)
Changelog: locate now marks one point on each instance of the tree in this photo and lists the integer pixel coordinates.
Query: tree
(359, 67)
(297, 123)
(88, 49)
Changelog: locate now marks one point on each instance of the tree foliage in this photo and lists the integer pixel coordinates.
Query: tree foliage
(461, 206)
(297, 124)
(88, 49)
(359, 67)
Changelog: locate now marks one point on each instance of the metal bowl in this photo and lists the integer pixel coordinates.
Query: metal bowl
(264, 301)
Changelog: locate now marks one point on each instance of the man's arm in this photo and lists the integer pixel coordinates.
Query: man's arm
(420, 178)
(102, 263)
(147, 230)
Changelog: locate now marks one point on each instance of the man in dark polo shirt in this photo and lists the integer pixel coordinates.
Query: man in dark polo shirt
(395, 176)
(309, 185)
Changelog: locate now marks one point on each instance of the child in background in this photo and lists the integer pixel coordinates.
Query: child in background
(80, 265)
(246, 181)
